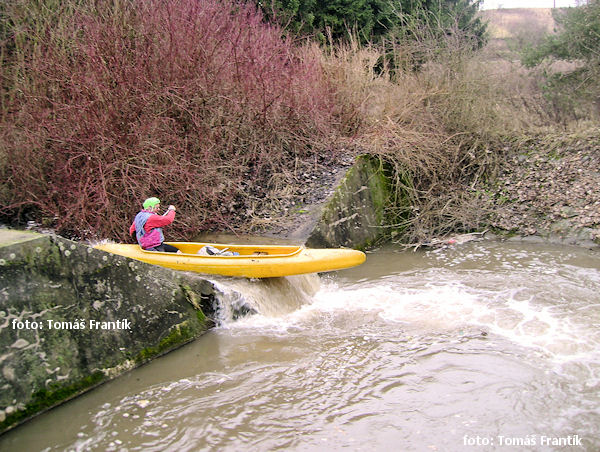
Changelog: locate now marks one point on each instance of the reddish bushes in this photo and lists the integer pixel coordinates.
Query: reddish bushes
(194, 101)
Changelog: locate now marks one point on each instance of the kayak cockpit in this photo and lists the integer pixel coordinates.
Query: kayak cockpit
(243, 251)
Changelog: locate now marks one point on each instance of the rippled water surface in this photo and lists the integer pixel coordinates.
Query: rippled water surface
(489, 343)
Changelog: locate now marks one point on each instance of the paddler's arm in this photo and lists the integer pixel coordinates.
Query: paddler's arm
(158, 221)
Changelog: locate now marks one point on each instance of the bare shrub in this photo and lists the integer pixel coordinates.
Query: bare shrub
(196, 102)
(206, 106)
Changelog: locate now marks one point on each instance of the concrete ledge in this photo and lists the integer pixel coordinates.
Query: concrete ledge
(72, 317)
(355, 215)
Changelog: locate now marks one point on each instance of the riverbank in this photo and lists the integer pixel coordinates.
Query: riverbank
(547, 187)
(542, 187)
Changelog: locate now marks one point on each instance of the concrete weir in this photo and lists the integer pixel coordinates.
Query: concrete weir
(355, 214)
(72, 317)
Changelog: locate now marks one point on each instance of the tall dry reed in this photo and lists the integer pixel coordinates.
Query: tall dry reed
(441, 126)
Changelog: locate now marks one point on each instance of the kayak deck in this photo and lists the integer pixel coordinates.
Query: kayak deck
(252, 261)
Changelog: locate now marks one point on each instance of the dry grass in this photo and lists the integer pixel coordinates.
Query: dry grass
(513, 22)
(243, 133)
(441, 128)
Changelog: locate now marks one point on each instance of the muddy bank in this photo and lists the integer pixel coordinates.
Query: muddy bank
(547, 188)
(543, 188)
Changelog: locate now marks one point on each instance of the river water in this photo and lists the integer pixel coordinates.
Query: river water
(484, 346)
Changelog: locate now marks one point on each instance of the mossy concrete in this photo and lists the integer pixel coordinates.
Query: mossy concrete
(356, 214)
(72, 317)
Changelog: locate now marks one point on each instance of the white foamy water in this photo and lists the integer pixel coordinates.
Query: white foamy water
(488, 342)
(271, 297)
(563, 328)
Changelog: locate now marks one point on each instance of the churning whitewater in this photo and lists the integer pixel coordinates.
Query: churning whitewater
(487, 346)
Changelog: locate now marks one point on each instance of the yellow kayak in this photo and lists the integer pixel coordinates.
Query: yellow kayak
(250, 261)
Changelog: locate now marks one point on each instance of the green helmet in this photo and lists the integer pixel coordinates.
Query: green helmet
(151, 202)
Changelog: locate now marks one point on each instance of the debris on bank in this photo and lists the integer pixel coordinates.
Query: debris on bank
(549, 187)
(452, 240)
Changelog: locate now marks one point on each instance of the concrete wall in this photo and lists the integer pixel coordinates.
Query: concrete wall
(72, 317)
(355, 215)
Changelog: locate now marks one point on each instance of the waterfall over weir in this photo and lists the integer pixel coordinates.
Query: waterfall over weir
(270, 297)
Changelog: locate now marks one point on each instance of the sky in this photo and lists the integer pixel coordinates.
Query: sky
(494, 4)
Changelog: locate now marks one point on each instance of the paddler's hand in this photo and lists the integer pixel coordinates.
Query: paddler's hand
(172, 207)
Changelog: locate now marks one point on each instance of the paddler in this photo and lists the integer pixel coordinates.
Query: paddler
(148, 225)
